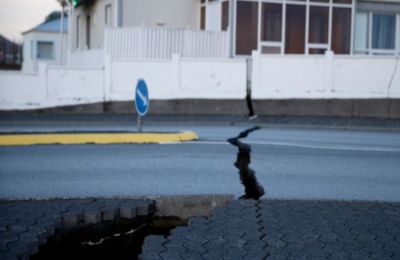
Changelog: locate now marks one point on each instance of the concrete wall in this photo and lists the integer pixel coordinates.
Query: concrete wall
(325, 77)
(171, 13)
(30, 62)
(178, 78)
(50, 87)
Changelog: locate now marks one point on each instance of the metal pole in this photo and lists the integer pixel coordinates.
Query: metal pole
(139, 123)
(62, 33)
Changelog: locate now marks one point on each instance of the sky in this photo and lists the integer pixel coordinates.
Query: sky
(17, 16)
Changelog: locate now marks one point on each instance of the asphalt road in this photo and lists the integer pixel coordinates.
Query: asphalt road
(289, 163)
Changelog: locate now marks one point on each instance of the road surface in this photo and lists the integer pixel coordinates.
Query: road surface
(290, 163)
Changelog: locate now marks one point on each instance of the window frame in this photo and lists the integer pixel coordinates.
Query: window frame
(52, 54)
(307, 3)
(377, 51)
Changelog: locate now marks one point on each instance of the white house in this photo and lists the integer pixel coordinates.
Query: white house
(43, 44)
(270, 26)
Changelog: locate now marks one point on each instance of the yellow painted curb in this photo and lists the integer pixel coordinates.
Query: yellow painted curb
(95, 138)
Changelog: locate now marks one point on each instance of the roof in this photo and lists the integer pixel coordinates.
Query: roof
(50, 26)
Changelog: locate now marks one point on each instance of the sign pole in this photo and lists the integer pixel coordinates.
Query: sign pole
(139, 124)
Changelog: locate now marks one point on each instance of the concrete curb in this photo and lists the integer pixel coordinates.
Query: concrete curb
(19, 139)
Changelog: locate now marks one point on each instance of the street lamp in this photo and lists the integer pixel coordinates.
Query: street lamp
(70, 4)
(63, 3)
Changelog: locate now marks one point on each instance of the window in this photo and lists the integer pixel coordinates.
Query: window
(225, 16)
(271, 28)
(203, 18)
(88, 31)
(375, 33)
(78, 22)
(341, 31)
(361, 34)
(295, 29)
(294, 26)
(108, 15)
(45, 50)
(383, 31)
(246, 27)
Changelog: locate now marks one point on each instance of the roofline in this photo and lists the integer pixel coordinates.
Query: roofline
(43, 31)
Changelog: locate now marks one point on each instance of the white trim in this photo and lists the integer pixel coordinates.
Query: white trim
(270, 44)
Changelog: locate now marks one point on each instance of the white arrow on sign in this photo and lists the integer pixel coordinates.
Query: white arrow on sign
(142, 97)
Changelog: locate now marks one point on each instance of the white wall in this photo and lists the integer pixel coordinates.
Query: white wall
(30, 62)
(50, 87)
(171, 79)
(179, 78)
(171, 13)
(324, 77)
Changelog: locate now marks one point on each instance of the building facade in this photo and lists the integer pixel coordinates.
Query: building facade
(270, 26)
(44, 44)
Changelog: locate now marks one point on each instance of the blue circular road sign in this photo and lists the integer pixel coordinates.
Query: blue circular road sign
(142, 98)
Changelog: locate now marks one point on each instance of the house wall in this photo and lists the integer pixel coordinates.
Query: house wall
(171, 13)
(30, 62)
(96, 11)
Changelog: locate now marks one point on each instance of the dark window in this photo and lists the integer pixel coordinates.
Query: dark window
(203, 18)
(295, 29)
(343, 1)
(78, 24)
(271, 24)
(225, 16)
(319, 24)
(88, 32)
(341, 30)
(246, 27)
(383, 31)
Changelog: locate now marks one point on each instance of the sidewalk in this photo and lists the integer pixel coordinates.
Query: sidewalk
(275, 229)
(244, 229)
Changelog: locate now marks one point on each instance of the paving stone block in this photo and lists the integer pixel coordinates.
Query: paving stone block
(92, 217)
(108, 214)
(70, 220)
(127, 210)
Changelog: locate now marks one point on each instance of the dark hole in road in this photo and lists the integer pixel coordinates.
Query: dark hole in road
(113, 240)
(253, 189)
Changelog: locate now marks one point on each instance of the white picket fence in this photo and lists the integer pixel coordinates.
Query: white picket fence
(136, 43)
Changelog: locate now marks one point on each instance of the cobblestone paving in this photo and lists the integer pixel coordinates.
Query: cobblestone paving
(25, 225)
(273, 229)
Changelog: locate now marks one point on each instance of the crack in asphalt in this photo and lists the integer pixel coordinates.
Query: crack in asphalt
(253, 189)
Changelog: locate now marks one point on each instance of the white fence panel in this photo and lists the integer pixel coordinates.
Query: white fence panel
(19, 91)
(161, 43)
(74, 85)
(179, 78)
(324, 77)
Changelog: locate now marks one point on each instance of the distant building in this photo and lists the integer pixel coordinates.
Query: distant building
(42, 43)
(10, 54)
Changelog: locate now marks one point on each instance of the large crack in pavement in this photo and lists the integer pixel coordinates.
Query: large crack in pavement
(253, 189)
